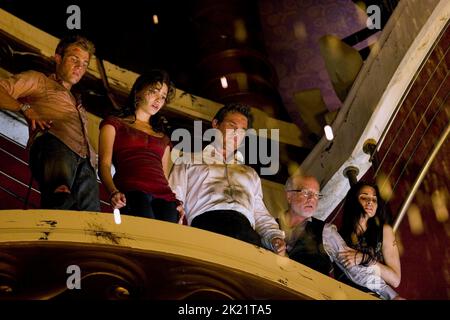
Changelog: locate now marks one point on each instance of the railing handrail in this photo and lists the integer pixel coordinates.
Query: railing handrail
(421, 176)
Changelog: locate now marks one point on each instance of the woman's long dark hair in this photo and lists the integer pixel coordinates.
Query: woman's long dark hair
(354, 211)
(151, 78)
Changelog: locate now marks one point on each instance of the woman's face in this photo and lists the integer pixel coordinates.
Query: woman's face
(152, 98)
(368, 199)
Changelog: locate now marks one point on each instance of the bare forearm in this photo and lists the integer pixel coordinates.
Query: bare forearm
(104, 171)
(391, 269)
(389, 275)
(368, 277)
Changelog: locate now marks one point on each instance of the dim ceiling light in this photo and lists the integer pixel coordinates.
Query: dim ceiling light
(224, 82)
(328, 132)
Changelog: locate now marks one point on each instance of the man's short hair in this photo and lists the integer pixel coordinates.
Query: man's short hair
(232, 108)
(290, 181)
(77, 40)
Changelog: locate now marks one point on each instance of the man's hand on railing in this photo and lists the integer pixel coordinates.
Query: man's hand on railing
(279, 246)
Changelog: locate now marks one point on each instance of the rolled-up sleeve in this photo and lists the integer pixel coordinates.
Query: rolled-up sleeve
(368, 277)
(23, 84)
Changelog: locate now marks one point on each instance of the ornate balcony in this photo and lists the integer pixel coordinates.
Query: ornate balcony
(41, 250)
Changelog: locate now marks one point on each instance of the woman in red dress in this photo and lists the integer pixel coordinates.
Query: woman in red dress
(135, 143)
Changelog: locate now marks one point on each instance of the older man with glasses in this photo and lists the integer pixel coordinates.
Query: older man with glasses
(317, 244)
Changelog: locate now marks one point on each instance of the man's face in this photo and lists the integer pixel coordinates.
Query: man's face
(233, 128)
(71, 67)
(303, 196)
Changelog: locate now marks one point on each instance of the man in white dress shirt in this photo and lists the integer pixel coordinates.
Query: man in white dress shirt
(220, 193)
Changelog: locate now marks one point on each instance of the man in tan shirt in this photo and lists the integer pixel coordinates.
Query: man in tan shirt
(61, 157)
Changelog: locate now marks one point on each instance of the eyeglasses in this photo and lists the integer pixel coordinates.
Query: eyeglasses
(366, 198)
(308, 193)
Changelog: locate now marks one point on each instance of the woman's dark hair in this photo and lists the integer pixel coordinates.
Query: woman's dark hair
(234, 107)
(353, 212)
(152, 78)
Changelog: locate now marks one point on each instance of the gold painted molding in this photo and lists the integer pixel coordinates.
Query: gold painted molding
(19, 228)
